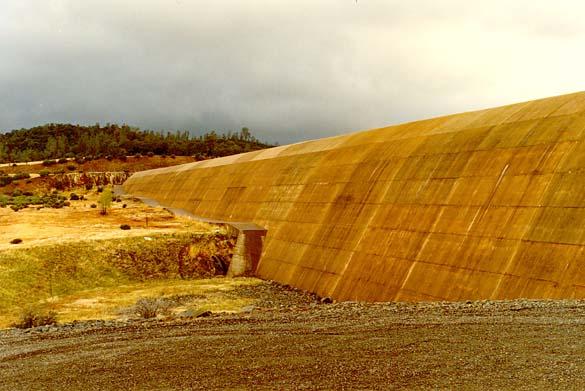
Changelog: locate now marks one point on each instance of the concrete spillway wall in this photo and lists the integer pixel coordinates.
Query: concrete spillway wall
(481, 205)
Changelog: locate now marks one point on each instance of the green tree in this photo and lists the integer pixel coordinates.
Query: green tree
(105, 201)
(51, 147)
(245, 134)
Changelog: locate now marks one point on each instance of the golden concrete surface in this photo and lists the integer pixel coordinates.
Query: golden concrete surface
(481, 205)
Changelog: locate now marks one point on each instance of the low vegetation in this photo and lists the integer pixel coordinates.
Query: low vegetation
(18, 200)
(35, 316)
(147, 307)
(45, 273)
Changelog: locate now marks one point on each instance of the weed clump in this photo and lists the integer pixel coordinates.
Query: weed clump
(16, 241)
(20, 175)
(35, 317)
(125, 227)
(147, 307)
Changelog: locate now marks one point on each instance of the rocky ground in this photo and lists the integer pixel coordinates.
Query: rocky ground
(291, 340)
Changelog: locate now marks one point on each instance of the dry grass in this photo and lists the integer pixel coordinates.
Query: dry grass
(83, 266)
(79, 221)
(122, 269)
(117, 302)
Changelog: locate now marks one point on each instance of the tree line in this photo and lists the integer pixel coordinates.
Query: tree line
(52, 141)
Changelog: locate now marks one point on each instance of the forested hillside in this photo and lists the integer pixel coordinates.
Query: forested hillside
(65, 140)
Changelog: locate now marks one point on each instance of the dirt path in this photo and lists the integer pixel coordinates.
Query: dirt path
(299, 344)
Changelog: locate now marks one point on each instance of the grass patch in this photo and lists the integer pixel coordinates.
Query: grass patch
(118, 302)
(45, 274)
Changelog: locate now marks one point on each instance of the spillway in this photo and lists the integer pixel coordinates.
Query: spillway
(487, 204)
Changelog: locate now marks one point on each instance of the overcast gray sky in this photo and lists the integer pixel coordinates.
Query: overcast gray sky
(288, 69)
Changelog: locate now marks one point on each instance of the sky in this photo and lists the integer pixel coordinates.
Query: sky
(289, 70)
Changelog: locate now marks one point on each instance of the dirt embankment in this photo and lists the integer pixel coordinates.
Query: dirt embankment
(288, 340)
(43, 226)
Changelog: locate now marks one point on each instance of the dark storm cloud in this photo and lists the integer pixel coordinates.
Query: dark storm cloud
(289, 70)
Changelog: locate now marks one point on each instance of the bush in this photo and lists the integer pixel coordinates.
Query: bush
(5, 180)
(150, 154)
(62, 160)
(47, 163)
(74, 197)
(35, 317)
(44, 173)
(71, 167)
(148, 308)
(21, 175)
(124, 206)
(125, 227)
(16, 241)
(105, 201)
(93, 206)
(88, 186)
(122, 158)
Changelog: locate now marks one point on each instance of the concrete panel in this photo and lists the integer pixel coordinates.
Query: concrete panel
(486, 204)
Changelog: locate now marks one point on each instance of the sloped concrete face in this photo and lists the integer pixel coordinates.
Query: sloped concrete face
(480, 205)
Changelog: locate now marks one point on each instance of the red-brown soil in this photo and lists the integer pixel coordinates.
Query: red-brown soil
(132, 164)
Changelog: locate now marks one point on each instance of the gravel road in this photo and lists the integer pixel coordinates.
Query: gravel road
(290, 340)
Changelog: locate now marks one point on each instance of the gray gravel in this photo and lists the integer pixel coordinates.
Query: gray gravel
(289, 340)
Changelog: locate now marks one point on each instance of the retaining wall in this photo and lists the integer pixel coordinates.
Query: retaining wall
(481, 205)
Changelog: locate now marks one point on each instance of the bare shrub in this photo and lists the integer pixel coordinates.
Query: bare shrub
(35, 317)
(148, 307)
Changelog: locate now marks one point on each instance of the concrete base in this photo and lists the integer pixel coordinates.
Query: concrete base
(247, 252)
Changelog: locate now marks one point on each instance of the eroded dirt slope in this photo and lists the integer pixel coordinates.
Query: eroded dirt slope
(290, 341)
